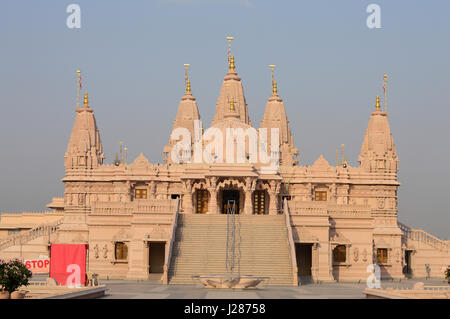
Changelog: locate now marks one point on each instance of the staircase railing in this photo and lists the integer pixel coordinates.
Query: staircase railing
(287, 220)
(168, 254)
(422, 236)
(29, 235)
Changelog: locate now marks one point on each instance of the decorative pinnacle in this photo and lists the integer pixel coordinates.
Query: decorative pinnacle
(274, 84)
(232, 66)
(378, 107)
(186, 80)
(229, 47)
(188, 86)
(86, 99)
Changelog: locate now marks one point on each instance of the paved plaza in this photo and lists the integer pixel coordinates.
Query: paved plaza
(122, 289)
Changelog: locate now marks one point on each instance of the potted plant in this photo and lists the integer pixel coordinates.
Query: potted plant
(13, 274)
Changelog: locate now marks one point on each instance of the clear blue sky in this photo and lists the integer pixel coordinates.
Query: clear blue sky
(329, 70)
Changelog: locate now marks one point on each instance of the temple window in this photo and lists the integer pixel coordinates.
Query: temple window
(202, 201)
(120, 251)
(140, 193)
(340, 254)
(258, 202)
(382, 255)
(320, 196)
(175, 196)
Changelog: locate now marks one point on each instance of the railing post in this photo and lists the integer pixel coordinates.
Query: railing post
(168, 254)
(291, 244)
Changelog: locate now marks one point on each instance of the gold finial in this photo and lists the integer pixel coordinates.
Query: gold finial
(229, 47)
(78, 87)
(188, 86)
(385, 91)
(378, 103)
(86, 99)
(232, 66)
(186, 80)
(232, 105)
(274, 85)
(121, 145)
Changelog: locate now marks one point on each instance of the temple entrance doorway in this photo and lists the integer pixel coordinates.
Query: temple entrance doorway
(156, 255)
(303, 253)
(230, 195)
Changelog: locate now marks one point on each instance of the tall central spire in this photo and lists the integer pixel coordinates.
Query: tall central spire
(231, 90)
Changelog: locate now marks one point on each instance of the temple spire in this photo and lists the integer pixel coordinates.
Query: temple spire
(231, 89)
(186, 118)
(275, 117)
(378, 152)
(84, 150)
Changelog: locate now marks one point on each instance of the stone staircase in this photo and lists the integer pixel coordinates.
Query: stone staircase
(29, 235)
(201, 241)
(424, 237)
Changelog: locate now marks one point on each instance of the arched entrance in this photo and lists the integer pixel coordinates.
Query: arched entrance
(228, 195)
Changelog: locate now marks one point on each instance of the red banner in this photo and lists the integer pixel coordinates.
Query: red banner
(68, 264)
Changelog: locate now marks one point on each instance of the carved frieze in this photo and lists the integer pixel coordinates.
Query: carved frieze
(356, 254)
(364, 255)
(105, 251)
(157, 232)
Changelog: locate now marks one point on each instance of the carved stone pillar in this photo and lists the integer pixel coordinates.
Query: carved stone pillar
(315, 262)
(187, 197)
(212, 207)
(152, 188)
(250, 185)
(211, 184)
(137, 260)
(273, 197)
